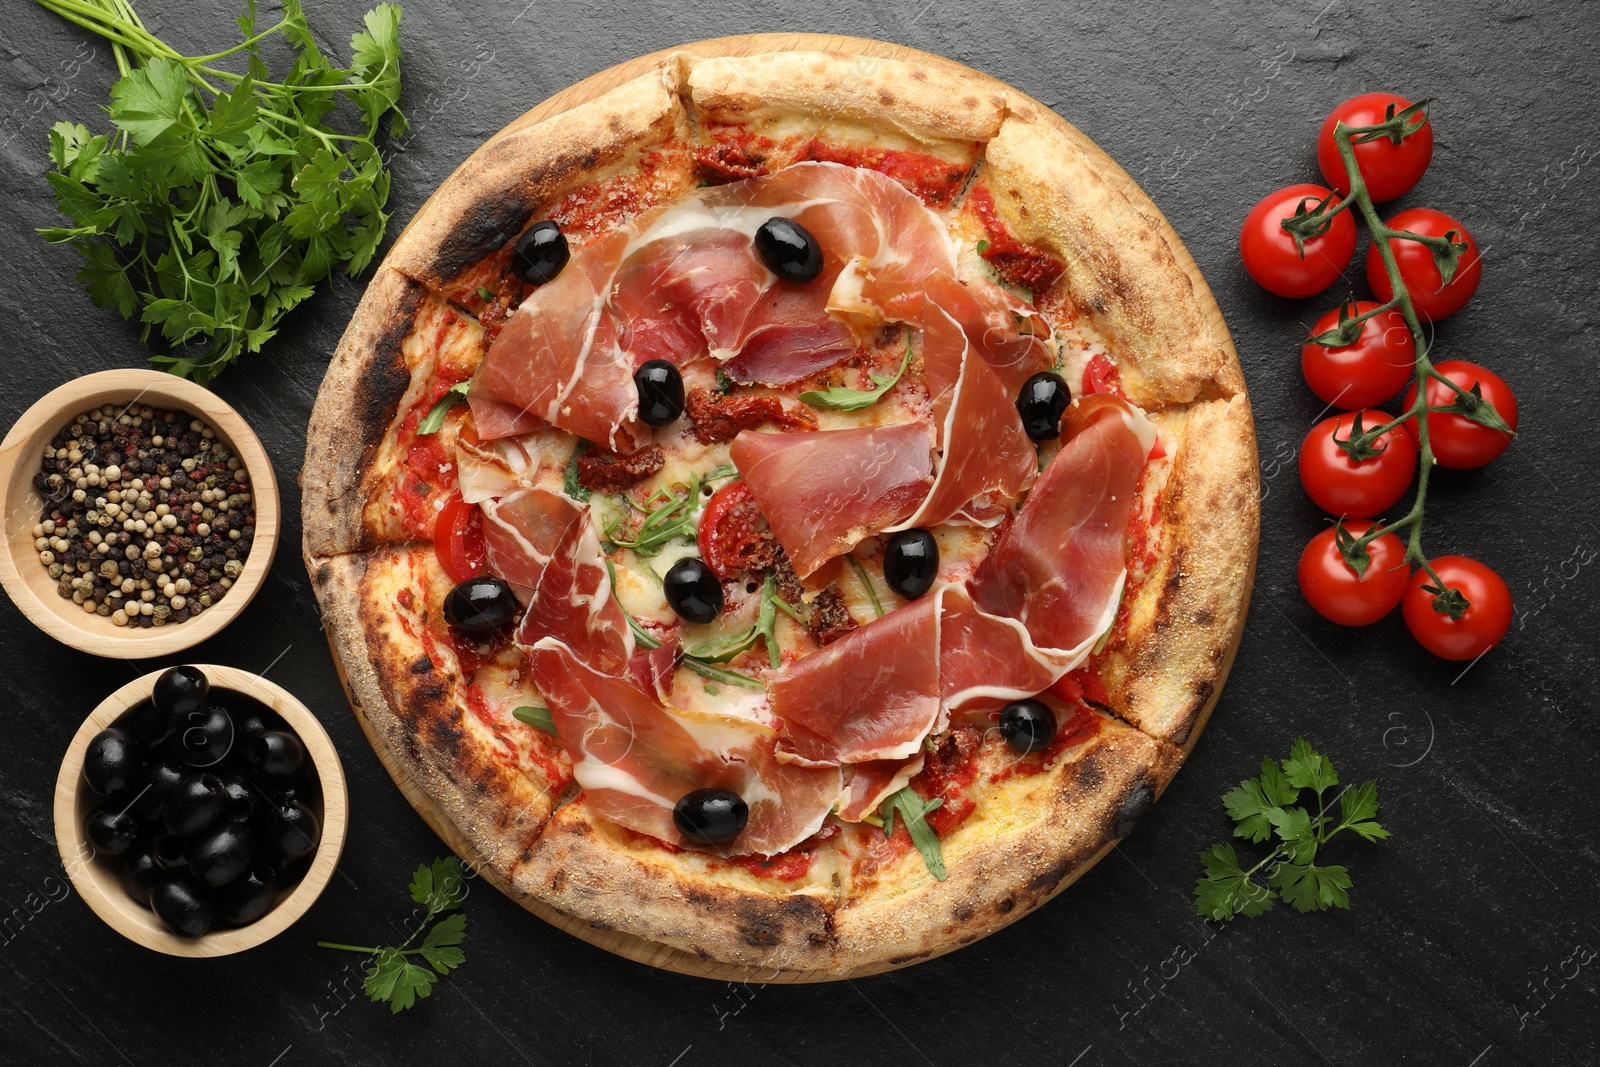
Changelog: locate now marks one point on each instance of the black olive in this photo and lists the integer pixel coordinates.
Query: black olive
(1027, 725)
(295, 830)
(481, 606)
(242, 797)
(170, 852)
(179, 690)
(112, 828)
(158, 780)
(710, 816)
(660, 389)
(541, 252)
(111, 762)
(277, 755)
(788, 250)
(183, 904)
(194, 804)
(252, 721)
(147, 726)
(249, 896)
(202, 737)
(911, 562)
(693, 590)
(139, 874)
(1041, 403)
(221, 854)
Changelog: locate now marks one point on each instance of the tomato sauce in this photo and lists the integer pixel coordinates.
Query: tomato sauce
(1023, 264)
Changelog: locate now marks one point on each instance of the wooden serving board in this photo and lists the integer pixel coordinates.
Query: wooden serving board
(650, 952)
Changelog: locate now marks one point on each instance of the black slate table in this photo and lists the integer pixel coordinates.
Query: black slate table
(1472, 933)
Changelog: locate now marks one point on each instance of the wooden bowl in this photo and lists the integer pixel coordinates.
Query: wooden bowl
(27, 581)
(97, 879)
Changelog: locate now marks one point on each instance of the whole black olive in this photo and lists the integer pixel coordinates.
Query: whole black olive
(295, 830)
(183, 904)
(277, 755)
(788, 250)
(139, 874)
(1041, 403)
(480, 606)
(179, 690)
(111, 761)
(660, 389)
(693, 590)
(540, 253)
(194, 804)
(252, 721)
(710, 816)
(147, 726)
(219, 855)
(158, 780)
(243, 797)
(249, 896)
(911, 562)
(112, 828)
(202, 737)
(170, 852)
(1027, 725)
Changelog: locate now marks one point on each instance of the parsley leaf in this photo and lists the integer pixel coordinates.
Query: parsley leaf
(914, 810)
(841, 399)
(392, 977)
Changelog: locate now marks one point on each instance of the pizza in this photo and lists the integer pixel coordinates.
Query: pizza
(791, 511)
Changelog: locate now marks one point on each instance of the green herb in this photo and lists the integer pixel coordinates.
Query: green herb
(395, 980)
(433, 422)
(1265, 806)
(720, 674)
(724, 383)
(765, 628)
(538, 718)
(640, 634)
(983, 246)
(721, 471)
(841, 399)
(223, 198)
(569, 481)
(485, 295)
(866, 584)
(914, 810)
(668, 516)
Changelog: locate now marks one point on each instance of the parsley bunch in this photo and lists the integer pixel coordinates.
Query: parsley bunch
(393, 979)
(223, 198)
(1266, 806)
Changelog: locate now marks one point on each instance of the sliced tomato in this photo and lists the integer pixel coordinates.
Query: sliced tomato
(733, 532)
(1100, 376)
(458, 539)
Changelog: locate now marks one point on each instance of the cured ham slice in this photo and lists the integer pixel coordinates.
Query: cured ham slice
(522, 531)
(871, 695)
(635, 758)
(986, 661)
(573, 603)
(1058, 564)
(487, 469)
(495, 419)
(870, 784)
(1008, 333)
(824, 491)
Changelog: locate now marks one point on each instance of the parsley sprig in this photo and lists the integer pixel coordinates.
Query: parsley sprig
(1264, 807)
(223, 198)
(393, 978)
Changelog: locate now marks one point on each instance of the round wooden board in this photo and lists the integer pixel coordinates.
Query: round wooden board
(650, 952)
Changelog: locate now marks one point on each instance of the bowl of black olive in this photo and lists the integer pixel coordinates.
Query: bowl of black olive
(200, 810)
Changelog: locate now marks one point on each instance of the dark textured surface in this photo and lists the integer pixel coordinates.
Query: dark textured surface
(1467, 928)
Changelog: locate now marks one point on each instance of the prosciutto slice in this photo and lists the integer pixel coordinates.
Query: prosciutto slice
(522, 533)
(986, 661)
(573, 603)
(1009, 334)
(824, 491)
(869, 784)
(635, 758)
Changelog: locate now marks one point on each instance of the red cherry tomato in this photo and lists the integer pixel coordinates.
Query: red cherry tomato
(458, 539)
(1270, 255)
(1457, 441)
(1333, 588)
(1369, 370)
(1432, 299)
(1389, 169)
(732, 530)
(1341, 486)
(1480, 627)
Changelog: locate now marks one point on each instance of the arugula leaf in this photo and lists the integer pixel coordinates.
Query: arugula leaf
(538, 718)
(668, 516)
(569, 481)
(433, 421)
(764, 628)
(914, 811)
(719, 674)
(841, 399)
(866, 584)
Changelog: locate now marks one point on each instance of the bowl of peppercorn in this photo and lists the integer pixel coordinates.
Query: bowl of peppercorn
(141, 514)
(200, 810)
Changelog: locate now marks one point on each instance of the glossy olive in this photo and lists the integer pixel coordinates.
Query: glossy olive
(660, 389)
(243, 797)
(158, 780)
(219, 855)
(202, 737)
(112, 828)
(183, 904)
(693, 590)
(788, 250)
(1027, 725)
(294, 830)
(139, 874)
(541, 252)
(481, 605)
(252, 721)
(147, 725)
(249, 896)
(179, 690)
(710, 816)
(170, 851)
(194, 804)
(1041, 403)
(276, 755)
(911, 562)
(111, 762)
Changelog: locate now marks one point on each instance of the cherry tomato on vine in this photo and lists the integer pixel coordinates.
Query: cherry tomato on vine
(1332, 587)
(1342, 486)
(458, 539)
(1388, 168)
(1481, 624)
(1432, 299)
(1458, 442)
(1269, 252)
(1367, 371)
